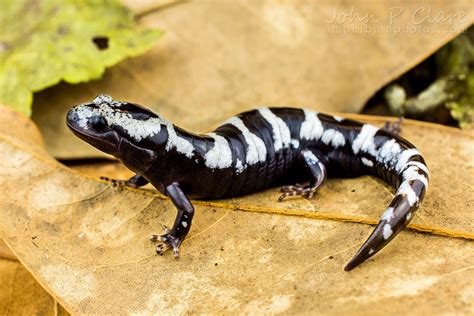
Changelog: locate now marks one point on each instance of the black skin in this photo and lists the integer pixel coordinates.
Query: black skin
(185, 211)
(180, 177)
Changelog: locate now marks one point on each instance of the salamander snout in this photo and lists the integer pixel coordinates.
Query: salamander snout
(89, 123)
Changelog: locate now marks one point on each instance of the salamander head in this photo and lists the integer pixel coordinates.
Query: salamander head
(105, 123)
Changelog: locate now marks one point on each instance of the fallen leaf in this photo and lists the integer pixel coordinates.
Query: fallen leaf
(44, 42)
(5, 252)
(92, 253)
(20, 293)
(219, 58)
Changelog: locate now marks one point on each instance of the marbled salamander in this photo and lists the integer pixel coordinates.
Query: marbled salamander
(250, 152)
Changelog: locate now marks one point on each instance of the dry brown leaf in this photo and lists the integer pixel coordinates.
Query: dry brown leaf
(20, 293)
(219, 58)
(5, 252)
(87, 244)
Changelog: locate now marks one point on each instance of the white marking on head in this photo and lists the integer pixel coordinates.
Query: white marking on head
(388, 214)
(338, 118)
(367, 162)
(181, 145)
(387, 231)
(311, 128)
(220, 156)
(365, 140)
(184, 224)
(408, 216)
(281, 132)
(333, 137)
(137, 129)
(84, 113)
(256, 150)
(405, 189)
(371, 251)
(102, 98)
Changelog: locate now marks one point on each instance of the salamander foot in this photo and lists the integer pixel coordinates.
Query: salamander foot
(134, 182)
(297, 190)
(169, 242)
(394, 127)
(119, 183)
(317, 175)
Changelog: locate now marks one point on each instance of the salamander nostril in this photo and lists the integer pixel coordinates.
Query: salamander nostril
(72, 116)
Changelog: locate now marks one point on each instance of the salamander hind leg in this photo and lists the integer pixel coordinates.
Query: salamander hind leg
(394, 127)
(317, 173)
(173, 238)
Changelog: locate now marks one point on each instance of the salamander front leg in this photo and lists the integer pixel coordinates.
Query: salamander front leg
(182, 224)
(318, 175)
(134, 182)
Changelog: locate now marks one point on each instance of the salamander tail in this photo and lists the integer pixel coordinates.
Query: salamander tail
(381, 236)
(373, 244)
(414, 182)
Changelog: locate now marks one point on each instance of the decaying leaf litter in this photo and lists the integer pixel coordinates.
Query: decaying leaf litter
(408, 287)
(20, 293)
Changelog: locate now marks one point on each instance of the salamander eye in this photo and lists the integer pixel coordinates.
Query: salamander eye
(98, 123)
